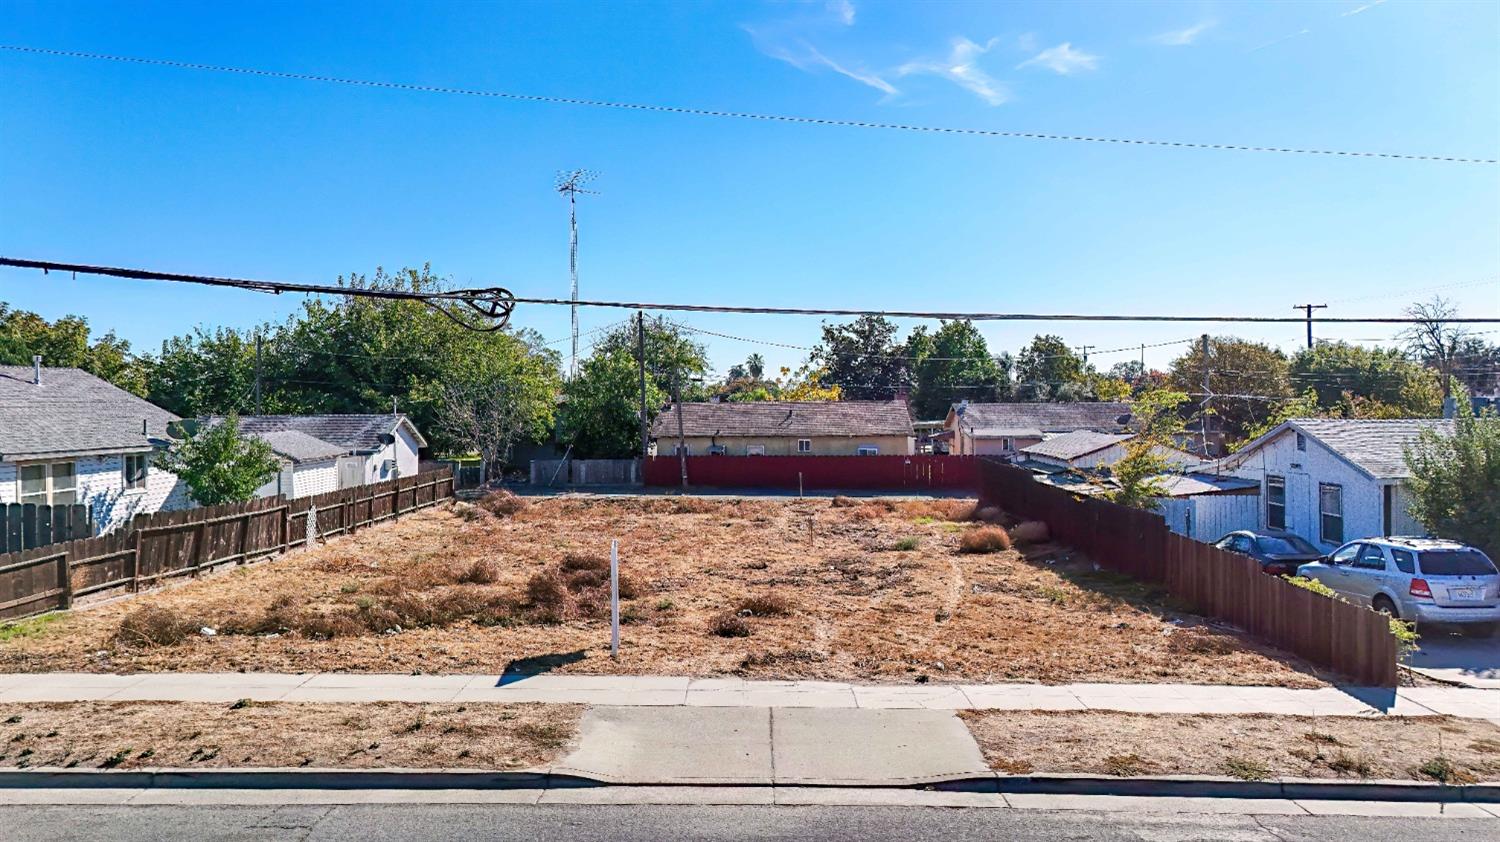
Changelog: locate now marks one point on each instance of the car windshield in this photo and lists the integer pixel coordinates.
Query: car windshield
(1285, 545)
(1456, 563)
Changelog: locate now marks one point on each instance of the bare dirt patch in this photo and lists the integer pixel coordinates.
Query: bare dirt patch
(128, 735)
(1248, 747)
(873, 590)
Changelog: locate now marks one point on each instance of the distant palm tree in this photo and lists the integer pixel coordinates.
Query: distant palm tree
(755, 365)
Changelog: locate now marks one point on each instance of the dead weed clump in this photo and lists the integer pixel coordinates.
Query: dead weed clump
(729, 624)
(766, 605)
(984, 539)
(1029, 532)
(481, 572)
(578, 587)
(155, 625)
(503, 503)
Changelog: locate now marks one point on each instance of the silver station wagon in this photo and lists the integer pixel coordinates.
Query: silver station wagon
(1425, 580)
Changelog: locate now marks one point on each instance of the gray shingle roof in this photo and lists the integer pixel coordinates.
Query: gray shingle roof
(1100, 416)
(1376, 446)
(1075, 444)
(351, 432)
(72, 412)
(299, 446)
(788, 418)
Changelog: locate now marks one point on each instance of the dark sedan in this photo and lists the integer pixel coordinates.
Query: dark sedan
(1279, 553)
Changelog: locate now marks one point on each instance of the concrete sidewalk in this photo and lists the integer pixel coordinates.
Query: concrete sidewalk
(735, 692)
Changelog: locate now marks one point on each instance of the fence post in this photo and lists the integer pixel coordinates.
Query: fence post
(66, 581)
(135, 559)
(200, 546)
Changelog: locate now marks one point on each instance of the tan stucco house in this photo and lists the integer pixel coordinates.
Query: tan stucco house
(788, 428)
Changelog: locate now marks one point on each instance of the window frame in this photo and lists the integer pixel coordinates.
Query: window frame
(1007, 444)
(1330, 536)
(804, 445)
(867, 450)
(1359, 560)
(49, 491)
(1410, 565)
(1279, 481)
(138, 484)
(755, 450)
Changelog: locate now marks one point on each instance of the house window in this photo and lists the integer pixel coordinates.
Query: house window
(1331, 512)
(681, 450)
(55, 484)
(867, 450)
(1007, 444)
(804, 445)
(1301, 442)
(135, 470)
(1275, 502)
(755, 450)
(716, 450)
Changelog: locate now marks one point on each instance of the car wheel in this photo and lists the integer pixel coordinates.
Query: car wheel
(1481, 629)
(1384, 605)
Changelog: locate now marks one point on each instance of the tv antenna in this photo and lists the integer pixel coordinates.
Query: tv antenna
(570, 184)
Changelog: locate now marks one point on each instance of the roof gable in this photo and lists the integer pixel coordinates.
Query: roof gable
(787, 418)
(72, 412)
(349, 431)
(1076, 444)
(1374, 447)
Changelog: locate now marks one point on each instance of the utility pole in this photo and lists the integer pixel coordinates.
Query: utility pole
(1207, 405)
(1085, 350)
(640, 350)
(571, 184)
(257, 373)
(681, 435)
(1308, 308)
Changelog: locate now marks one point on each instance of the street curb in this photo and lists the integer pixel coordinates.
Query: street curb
(460, 779)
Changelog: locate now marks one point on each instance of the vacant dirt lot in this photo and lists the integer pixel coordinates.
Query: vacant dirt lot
(1250, 747)
(842, 589)
(126, 735)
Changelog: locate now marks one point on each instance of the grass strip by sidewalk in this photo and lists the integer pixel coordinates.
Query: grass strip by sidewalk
(129, 735)
(1249, 747)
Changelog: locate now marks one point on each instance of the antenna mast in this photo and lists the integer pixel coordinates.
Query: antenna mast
(571, 184)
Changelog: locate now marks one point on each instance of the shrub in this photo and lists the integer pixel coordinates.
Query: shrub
(156, 626)
(546, 591)
(1029, 532)
(984, 539)
(1246, 769)
(907, 544)
(502, 502)
(729, 624)
(481, 572)
(766, 605)
(989, 514)
(1443, 770)
(576, 561)
(842, 502)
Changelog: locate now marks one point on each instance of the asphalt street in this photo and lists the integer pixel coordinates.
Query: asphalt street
(377, 823)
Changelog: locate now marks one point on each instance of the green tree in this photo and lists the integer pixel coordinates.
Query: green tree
(600, 413)
(1157, 423)
(1304, 405)
(490, 402)
(1048, 370)
(1455, 480)
(66, 343)
(953, 364)
(1247, 378)
(862, 358)
(1343, 374)
(221, 466)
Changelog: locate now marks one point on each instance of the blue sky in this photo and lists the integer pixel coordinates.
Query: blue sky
(221, 174)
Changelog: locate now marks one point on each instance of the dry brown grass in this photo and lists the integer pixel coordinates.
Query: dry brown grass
(155, 625)
(862, 611)
(1029, 532)
(129, 735)
(503, 503)
(1250, 747)
(984, 539)
(766, 605)
(728, 624)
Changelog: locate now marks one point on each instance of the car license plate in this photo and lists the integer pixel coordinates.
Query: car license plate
(1463, 593)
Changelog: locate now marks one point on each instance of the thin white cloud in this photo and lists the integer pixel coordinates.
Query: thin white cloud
(806, 57)
(1298, 34)
(842, 11)
(1365, 8)
(862, 76)
(962, 69)
(1062, 59)
(1183, 37)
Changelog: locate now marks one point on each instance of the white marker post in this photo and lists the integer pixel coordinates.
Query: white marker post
(614, 599)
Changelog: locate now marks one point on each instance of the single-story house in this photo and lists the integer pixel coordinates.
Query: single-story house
(1333, 480)
(308, 465)
(1085, 449)
(67, 437)
(788, 428)
(1003, 429)
(374, 448)
(1204, 506)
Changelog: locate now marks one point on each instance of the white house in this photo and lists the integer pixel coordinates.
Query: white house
(373, 448)
(67, 437)
(1085, 449)
(308, 466)
(1333, 480)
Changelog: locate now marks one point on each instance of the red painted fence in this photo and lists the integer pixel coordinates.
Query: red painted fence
(826, 473)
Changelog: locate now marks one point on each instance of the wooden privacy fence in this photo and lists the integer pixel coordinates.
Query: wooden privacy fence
(166, 545)
(916, 473)
(27, 525)
(1329, 633)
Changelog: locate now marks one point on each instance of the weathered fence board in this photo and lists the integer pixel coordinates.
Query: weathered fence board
(27, 525)
(1331, 634)
(167, 545)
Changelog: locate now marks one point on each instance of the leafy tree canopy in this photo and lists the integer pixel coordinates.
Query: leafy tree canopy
(221, 466)
(952, 364)
(66, 343)
(1048, 370)
(1455, 480)
(862, 358)
(1250, 376)
(1341, 373)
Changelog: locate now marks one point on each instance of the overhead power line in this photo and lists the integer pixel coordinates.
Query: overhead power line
(497, 303)
(736, 115)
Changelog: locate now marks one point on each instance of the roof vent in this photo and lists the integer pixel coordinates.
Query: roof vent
(36, 369)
